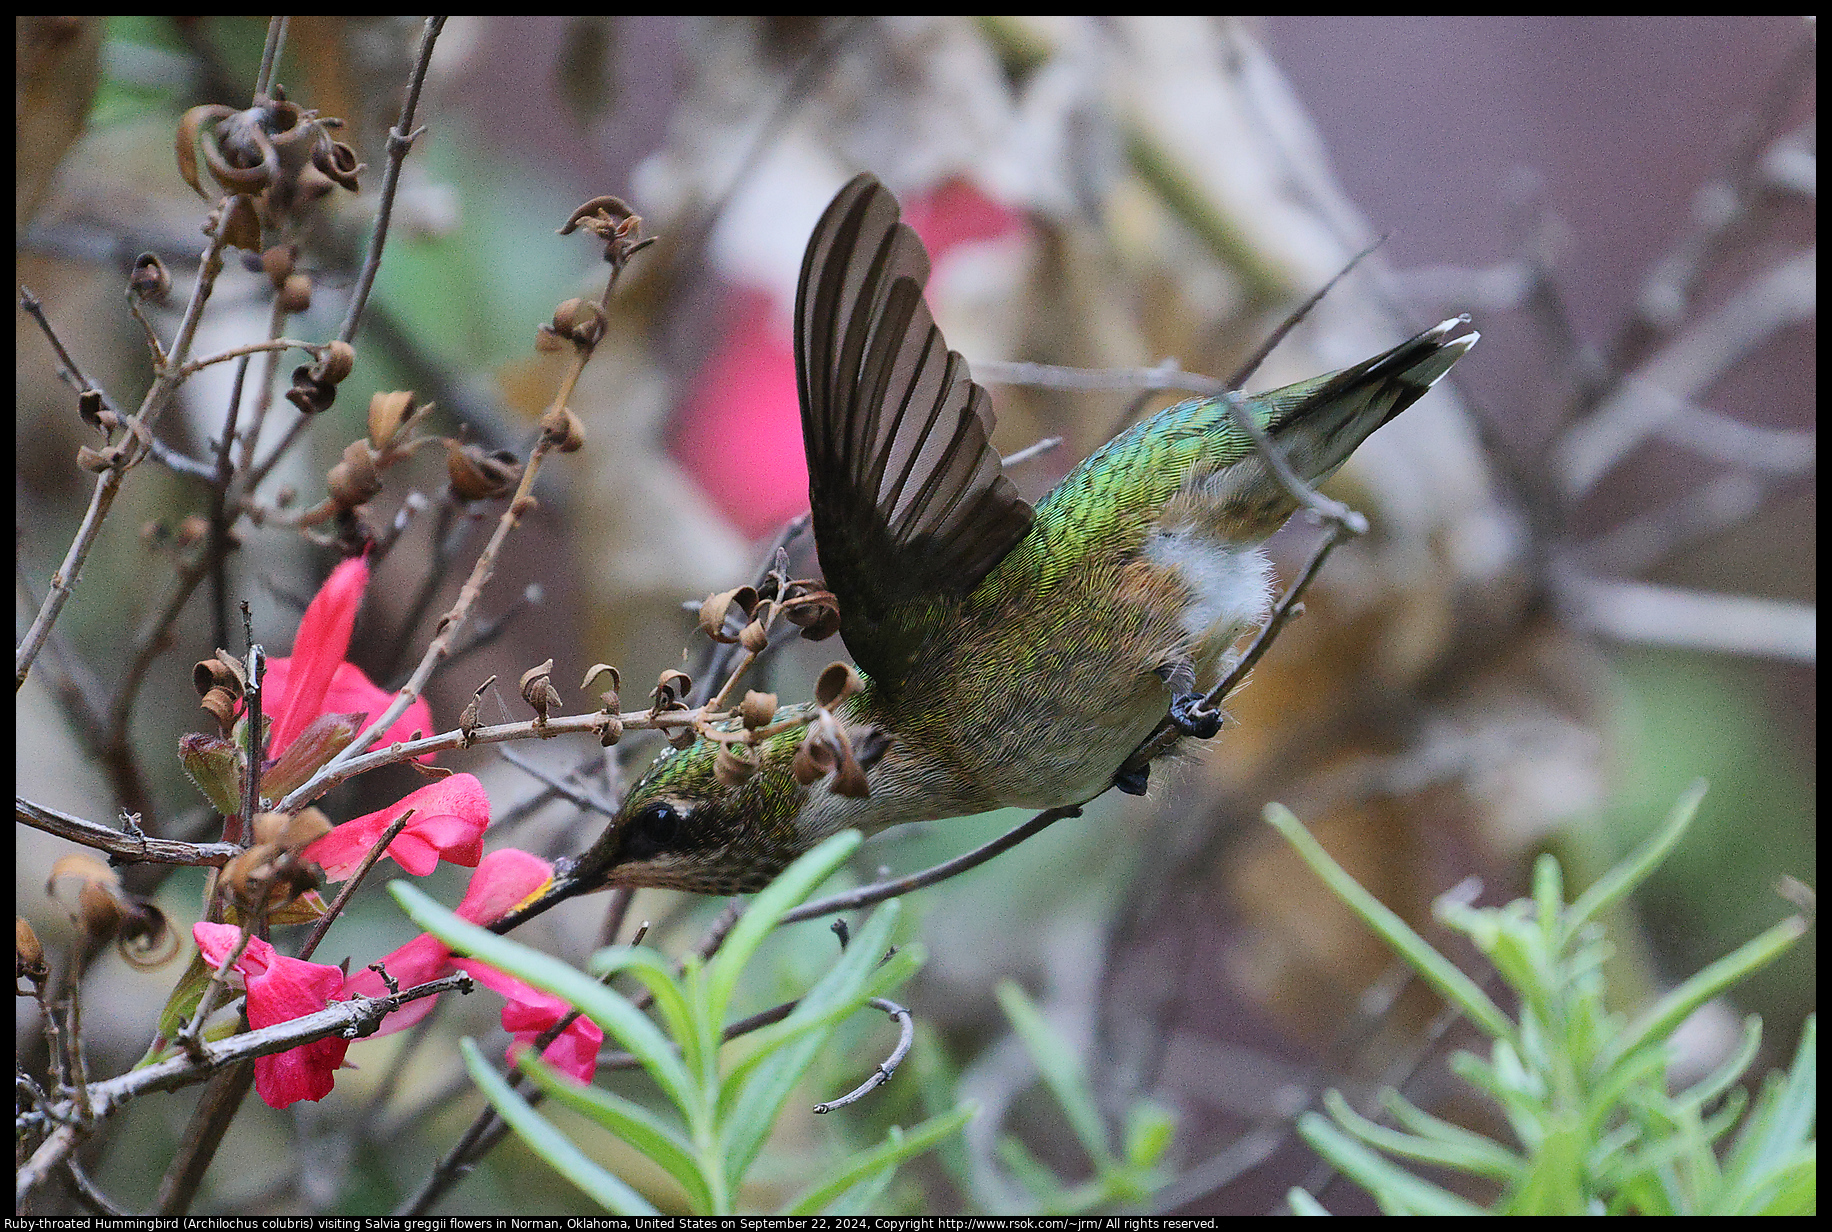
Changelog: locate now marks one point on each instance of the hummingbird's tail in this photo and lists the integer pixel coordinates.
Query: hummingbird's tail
(1321, 421)
(1315, 424)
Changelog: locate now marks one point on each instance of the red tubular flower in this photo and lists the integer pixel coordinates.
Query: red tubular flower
(503, 879)
(281, 989)
(529, 1013)
(448, 823)
(315, 680)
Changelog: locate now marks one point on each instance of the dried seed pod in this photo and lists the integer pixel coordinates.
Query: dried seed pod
(149, 280)
(718, 605)
(390, 413)
(735, 764)
(562, 430)
(814, 758)
(670, 688)
(354, 481)
(277, 263)
(836, 683)
(478, 474)
(295, 294)
(537, 689)
(581, 321)
(28, 954)
(597, 669)
(757, 709)
(609, 729)
(755, 637)
(682, 737)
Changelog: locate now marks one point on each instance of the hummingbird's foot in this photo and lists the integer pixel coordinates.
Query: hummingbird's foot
(1193, 715)
(1133, 782)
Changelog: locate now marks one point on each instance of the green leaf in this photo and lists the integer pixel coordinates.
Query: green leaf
(630, 1121)
(763, 1084)
(1149, 1130)
(1619, 882)
(897, 1146)
(1397, 1191)
(609, 1009)
(652, 971)
(608, 1190)
(1661, 1018)
(837, 993)
(782, 895)
(1438, 971)
(1062, 1072)
(1479, 1157)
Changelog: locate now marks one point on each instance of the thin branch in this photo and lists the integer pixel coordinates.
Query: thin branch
(353, 1019)
(881, 1074)
(323, 923)
(400, 140)
(122, 847)
(879, 891)
(158, 397)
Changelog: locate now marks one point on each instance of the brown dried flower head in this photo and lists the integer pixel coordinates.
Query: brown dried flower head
(538, 691)
(477, 474)
(613, 221)
(149, 280)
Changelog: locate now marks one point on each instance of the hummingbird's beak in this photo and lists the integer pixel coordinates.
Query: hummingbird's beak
(571, 878)
(560, 889)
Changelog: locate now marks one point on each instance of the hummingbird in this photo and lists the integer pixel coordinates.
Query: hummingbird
(1010, 655)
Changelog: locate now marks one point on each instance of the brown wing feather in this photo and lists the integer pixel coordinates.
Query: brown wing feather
(908, 497)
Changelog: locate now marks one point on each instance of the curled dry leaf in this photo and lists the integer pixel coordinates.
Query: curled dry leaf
(718, 605)
(670, 688)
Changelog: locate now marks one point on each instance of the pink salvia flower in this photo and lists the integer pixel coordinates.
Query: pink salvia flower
(448, 823)
(281, 989)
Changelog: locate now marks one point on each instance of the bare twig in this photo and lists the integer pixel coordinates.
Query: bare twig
(400, 140)
(323, 923)
(120, 846)
(351, 1019)
(881, 1074)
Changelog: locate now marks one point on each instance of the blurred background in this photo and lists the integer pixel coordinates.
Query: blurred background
(1590, 578)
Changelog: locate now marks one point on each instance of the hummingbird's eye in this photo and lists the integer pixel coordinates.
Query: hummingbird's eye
(654, 829)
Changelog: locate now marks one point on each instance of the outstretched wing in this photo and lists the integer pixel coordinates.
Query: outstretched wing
(908, 497)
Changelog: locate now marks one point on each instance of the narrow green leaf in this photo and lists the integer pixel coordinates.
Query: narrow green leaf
(794, 884)
(1726, 1075)
(767, 1082)
(608, 1190)
(630, 1121)
(1438, 971)
(1661, 1018)
(606, 1007)
(653, 973)
(838, 993)
(897, 1147)
(1478, 1157)
(1061, 1070)
(1619, 882)
(1397, 1191)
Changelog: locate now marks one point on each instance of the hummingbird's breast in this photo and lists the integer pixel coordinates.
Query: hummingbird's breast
(1034, 692)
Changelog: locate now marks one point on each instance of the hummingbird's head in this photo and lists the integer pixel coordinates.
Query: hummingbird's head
(681, 827)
